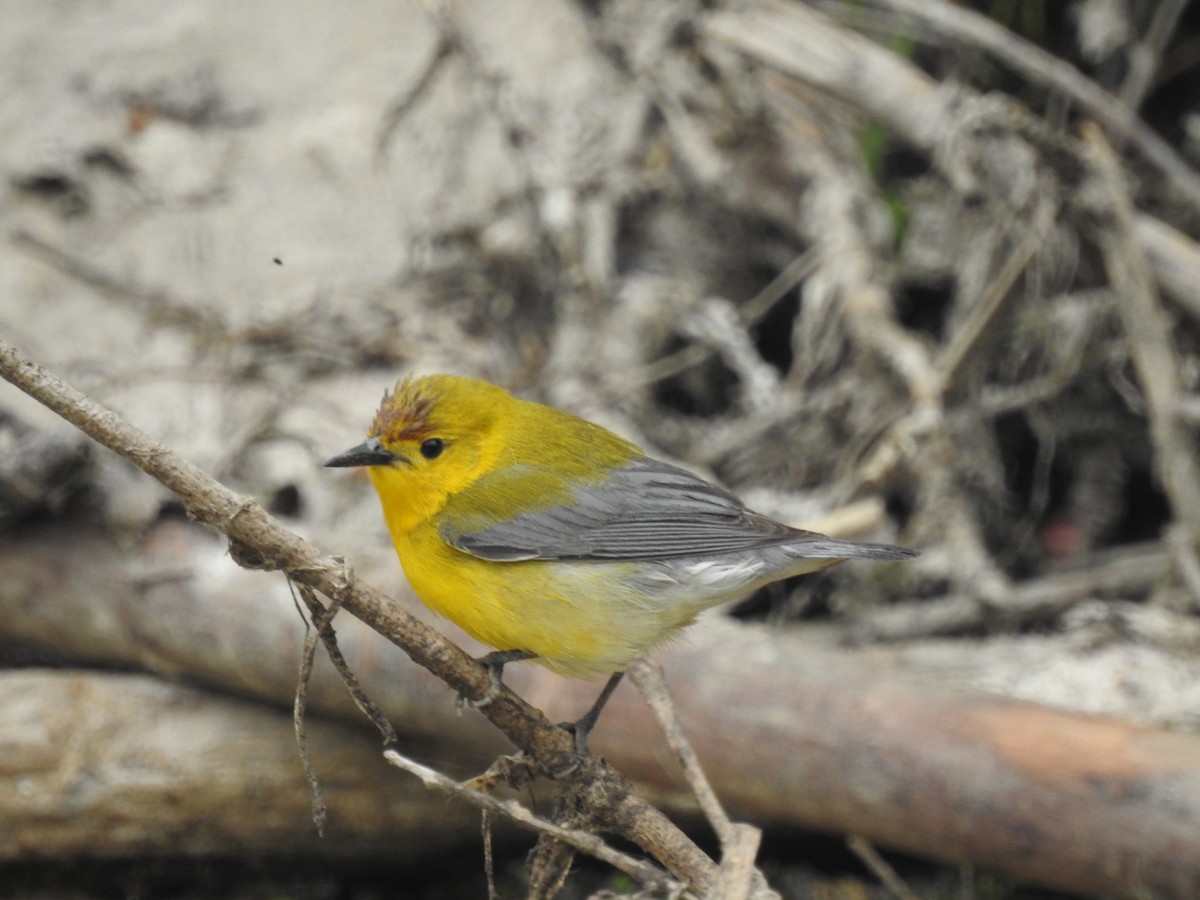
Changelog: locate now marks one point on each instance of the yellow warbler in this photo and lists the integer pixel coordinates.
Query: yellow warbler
(551, 538)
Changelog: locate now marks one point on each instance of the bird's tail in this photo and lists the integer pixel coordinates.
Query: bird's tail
(820, 547)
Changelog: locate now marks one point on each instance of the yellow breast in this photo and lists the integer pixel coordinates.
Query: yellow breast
(580, 618)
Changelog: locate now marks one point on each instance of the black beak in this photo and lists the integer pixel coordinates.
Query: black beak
(368, 453)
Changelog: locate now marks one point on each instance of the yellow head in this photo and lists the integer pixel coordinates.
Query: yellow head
(432, 437)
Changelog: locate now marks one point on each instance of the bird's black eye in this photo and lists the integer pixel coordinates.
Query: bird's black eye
(432, 448)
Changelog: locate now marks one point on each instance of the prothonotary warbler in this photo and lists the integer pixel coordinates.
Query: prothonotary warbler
(551, 538)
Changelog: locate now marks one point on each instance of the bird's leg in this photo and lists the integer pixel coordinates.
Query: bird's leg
(495, 662)
(582, 726)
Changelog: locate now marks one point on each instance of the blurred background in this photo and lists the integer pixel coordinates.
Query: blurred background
(921, 273)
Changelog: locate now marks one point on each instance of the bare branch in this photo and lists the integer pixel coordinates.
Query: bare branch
(1120, 120)
(1149, 330)
(581, 840)
(275, 547)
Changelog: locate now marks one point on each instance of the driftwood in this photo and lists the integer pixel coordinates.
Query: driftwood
(179, 606)
(102, 765)
(788, 732)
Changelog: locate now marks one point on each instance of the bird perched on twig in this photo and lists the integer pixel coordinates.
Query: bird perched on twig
(551, 538)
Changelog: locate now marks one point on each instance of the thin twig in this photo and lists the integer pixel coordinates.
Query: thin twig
(846, 260)
(264, 543)
(886, 88)
(299, 710)
(880, 868)
(1146, 54)
(322, 618)
(1149, 331)
(739, 878)
(1128, 571)
(583, 841)
(648, 677)
(749, 314)
(489, 862)
(958, 349)
(1182, 547)
(969, 27)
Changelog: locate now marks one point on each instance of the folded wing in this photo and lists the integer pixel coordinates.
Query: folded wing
(645, 510)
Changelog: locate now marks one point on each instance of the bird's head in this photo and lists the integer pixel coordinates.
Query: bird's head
(431, 437)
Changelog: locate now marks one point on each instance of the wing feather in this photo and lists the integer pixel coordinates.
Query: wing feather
(646, 510)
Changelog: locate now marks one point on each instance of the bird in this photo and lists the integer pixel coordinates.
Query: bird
(552, 539)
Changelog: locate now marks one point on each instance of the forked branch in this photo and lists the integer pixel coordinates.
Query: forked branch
(258, 541)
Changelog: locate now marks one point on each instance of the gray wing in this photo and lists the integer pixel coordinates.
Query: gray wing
(646, 510)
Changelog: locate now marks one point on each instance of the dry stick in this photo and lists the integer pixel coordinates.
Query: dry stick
(871, 320)
(299, 710)
(1040, 67)
(322, 617)
(607, 793)
(739, 842)
(958, 349)
(581, 840)
(866, 303)
(807, 46)
(1175, 259)
(738, 878)
(1129, 570)
(489, 862)
(753, 310)
(1187, 562)
(321, 629)
(879, 868)
(1149, 332)
(1146, 54)
(648, 677)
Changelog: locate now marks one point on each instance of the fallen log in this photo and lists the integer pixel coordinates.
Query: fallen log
(100, 765)
(788, 732)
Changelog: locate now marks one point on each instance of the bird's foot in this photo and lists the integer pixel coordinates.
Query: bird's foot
(494, 662)
(583, 726)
